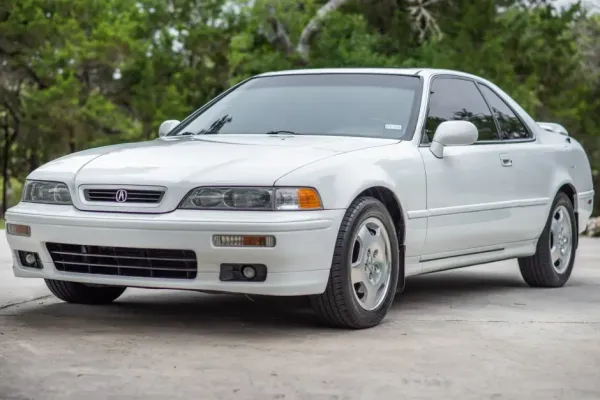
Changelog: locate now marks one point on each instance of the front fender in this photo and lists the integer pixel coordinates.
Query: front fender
(398, 167)
(340, 179)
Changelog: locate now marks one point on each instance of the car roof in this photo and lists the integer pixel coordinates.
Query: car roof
(425, 72)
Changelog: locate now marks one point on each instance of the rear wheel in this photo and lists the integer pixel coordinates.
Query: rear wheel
(79, 293)
(364, 270)
(552, 264)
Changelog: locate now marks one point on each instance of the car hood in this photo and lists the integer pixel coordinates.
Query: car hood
(200, 160)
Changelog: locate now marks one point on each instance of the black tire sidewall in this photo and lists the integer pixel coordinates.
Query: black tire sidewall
(363, 209)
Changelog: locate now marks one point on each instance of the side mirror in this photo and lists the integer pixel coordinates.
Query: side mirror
(167, 127)
(453, 133)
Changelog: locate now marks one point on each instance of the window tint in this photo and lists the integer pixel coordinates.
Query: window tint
(510, 125)
(459, 99)
(373, 105)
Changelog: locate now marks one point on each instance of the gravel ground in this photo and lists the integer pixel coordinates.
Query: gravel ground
(477, 333)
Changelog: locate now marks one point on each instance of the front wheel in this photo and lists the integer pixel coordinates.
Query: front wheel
(552, 264)
(79, 293)
(364, 270)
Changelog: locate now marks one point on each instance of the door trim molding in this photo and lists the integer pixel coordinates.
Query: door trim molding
(472, 208)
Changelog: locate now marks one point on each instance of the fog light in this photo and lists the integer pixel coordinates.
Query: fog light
(243, 241)
(248, 271)
(18, 230)
(243, 273)
(30, 260)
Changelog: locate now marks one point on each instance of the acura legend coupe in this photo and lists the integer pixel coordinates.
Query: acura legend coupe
(335, 184)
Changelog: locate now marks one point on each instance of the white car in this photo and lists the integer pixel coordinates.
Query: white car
(335, 184)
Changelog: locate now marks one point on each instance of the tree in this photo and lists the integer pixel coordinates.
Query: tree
(83, 73)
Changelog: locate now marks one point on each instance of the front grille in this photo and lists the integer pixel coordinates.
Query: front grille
(124, 261)
(131, 196)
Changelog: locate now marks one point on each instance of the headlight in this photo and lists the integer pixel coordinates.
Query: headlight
(46, 192)
(252, 198)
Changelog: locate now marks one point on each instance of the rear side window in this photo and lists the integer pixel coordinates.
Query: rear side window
(459, 99)
(511, 126)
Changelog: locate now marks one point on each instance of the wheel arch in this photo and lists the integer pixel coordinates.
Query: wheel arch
(392, 204)
(568, 189)
(571, 192)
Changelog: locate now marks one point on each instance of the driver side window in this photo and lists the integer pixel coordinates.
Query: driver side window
(459, 99)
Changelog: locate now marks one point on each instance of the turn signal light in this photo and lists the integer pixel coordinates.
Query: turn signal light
(18, 230)
(308, 199)
(293, 199)
(243, 241)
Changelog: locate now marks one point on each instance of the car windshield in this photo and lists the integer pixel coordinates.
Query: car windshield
(371, 105)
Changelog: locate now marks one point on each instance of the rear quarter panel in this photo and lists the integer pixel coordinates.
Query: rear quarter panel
(571, 166)
(581, 174)
(569, 163)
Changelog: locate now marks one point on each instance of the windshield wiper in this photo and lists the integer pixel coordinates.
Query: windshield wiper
(202, 132)
(280, 132)
(213, 129)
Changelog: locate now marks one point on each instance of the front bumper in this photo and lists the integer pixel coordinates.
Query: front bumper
(299, 263)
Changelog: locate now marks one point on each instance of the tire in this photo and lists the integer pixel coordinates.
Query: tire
(345, 304)
(78, 293)
(549, 267)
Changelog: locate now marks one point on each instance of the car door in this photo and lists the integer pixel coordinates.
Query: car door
(471, 189)
(532, 166)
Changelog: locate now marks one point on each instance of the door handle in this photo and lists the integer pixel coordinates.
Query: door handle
(505, 160)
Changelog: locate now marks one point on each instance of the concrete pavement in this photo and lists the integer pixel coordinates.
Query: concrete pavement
(13, 290)
(477, 333)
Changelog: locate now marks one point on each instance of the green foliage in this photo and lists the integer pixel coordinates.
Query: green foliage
(348, 41)
(76, 74)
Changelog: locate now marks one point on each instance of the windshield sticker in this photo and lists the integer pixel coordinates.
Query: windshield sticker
(394, 127)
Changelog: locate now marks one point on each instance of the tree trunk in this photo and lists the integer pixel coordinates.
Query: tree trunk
(147, 129)
(9, 139)
(71, 141)
(33, 160)
(5, 175)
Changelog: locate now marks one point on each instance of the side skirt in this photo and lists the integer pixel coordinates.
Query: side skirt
(466, 258)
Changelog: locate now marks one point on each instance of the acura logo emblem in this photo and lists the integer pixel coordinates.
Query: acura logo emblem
(121, 196)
